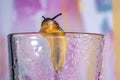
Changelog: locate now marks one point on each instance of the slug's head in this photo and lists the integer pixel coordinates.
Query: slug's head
(49, 24)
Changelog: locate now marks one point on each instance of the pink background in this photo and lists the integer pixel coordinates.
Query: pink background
(78, 16)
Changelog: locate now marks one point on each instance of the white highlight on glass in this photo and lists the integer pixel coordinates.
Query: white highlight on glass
(37, 53)
(34, 42)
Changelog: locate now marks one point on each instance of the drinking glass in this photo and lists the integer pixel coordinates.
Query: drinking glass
(29, 56)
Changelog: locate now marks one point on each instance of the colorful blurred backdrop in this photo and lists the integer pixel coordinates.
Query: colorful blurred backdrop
(77, 16)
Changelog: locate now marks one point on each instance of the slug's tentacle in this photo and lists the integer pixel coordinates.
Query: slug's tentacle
(56, 16)
(43, 17)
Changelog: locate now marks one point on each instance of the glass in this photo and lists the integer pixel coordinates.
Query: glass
(30, 57)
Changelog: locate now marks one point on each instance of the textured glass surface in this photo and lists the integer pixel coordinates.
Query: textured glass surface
(30, 57)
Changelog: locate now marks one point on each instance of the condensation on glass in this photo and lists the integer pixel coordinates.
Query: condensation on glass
(29, 55)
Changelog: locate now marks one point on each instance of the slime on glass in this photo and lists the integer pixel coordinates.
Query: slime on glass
(56, 40)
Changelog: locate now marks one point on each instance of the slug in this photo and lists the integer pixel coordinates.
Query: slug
(57, 41)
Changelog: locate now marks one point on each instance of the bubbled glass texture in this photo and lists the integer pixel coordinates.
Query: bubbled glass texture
(84, 58)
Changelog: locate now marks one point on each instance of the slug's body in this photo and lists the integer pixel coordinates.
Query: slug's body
(56, 40)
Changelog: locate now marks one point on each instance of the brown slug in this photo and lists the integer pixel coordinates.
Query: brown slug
(56, 40)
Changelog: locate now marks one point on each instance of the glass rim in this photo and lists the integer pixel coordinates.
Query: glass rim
(89, 33)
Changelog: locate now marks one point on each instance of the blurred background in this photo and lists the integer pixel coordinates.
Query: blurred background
(93, 16)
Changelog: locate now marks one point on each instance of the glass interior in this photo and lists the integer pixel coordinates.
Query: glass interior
(30, 56)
